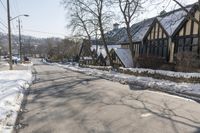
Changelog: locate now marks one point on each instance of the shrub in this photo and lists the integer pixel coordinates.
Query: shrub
(187, 61)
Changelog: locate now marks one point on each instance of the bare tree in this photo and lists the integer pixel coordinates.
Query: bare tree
(99, 16)
(129, 10)
(194, 19)
(81, 21)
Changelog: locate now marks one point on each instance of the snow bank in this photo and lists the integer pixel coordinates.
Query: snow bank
(190, 89)
(12, 87)
(163, 72)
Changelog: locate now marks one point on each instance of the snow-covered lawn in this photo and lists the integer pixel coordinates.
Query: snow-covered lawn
(12, 87)
(189, 89)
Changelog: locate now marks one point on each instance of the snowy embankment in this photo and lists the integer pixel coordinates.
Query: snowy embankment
(189, 90)
(162, 72)
(13, 85)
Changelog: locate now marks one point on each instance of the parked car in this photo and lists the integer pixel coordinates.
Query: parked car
(26, 59)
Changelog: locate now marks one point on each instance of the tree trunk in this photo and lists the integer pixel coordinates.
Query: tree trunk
(128, 29)
(105, 46)
(104, 41)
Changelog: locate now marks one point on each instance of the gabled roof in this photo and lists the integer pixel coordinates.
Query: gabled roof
(172, 20)
(138, 31)
(112, 33)
(124, 56)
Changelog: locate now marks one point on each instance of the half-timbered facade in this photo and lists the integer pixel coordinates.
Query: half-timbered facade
(186, 37)
(156, 42)
(171, 23)
(138, 32)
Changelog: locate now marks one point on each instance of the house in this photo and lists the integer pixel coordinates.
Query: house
(186, 35)
(172, 23)
(85, 54)
(162, 36)
(166, 35)
(121, 57)
(139, 32)
(155, 43)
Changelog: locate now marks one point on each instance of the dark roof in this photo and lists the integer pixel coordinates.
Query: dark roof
(138, 31)
(170, 21)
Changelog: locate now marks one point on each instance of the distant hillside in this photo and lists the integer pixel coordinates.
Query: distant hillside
(27, 41)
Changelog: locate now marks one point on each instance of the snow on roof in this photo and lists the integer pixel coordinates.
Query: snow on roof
(125, 56)
(138, 31)
(112, 33)
(101, 49)
(120, 35)
(171, 20)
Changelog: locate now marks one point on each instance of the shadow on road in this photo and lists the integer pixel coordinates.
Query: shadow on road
(83, 104)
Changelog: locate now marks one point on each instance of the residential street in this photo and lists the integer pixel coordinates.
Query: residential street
(62, 101)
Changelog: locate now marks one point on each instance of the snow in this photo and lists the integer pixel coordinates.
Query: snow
(164, 72)
(13, 85)
(170, 21)
(112, 33)
(86, 58)
(125, 56)
(140, 29)
(190, 89)
(101, 49)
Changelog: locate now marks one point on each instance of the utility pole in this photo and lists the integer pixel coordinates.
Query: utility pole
(20, 40)
(9, 36)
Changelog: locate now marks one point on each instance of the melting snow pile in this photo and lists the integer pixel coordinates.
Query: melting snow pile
(12, 87)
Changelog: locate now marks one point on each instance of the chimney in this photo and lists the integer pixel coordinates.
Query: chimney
(115, 26)
(163, 12)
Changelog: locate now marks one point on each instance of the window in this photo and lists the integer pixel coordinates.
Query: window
(195, 45)
(165, 48)
(160, 49)
(195, 41)
(180, 45)
(188, 41)
(156, 48)
(165, 52)
(181, 42)
(150, 48)
(113, 56)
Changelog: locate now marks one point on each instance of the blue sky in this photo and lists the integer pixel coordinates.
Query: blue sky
(49, 16)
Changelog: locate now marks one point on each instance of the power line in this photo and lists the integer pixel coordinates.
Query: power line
(3, 25)
(44, 32)
(3, 5)
(3, 30)
(15, 5)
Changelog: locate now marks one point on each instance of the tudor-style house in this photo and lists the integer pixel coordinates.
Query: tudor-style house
(162, 36)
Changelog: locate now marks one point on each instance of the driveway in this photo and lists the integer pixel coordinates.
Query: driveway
(63, 101)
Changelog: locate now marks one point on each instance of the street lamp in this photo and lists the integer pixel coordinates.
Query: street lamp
(9, 33)
(25, 15)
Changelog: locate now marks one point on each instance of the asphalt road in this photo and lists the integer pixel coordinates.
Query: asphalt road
(62, 101)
